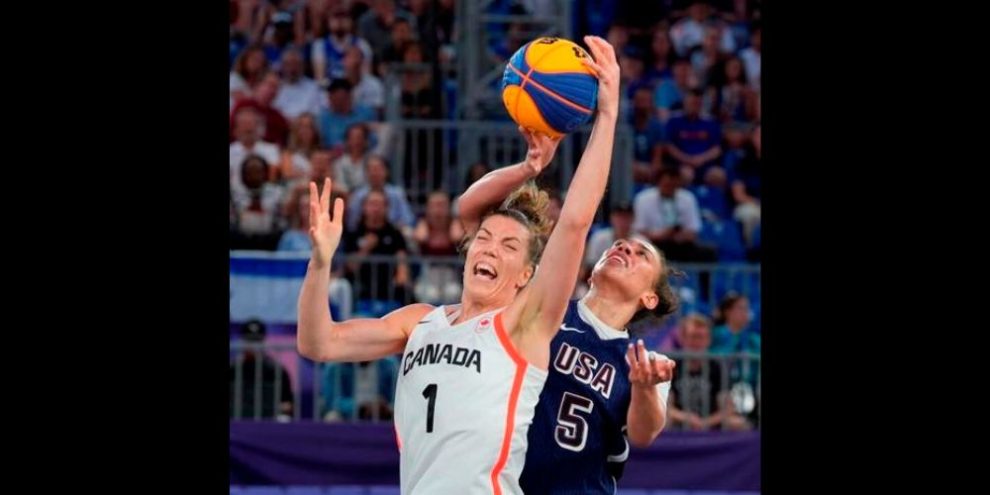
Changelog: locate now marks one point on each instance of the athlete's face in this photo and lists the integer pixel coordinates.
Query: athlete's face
(632, 265)
(498, 259)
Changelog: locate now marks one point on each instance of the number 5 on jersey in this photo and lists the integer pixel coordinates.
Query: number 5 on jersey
(572, 430)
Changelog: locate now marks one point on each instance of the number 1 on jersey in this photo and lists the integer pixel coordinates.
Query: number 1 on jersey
(430, 393)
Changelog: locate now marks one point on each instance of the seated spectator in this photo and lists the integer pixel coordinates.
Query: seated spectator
(275, 387)
(257, 204)
(250, 67)
(647, 138)
(751, 58)
(745, 186)
(437, 234)
(386, 284)
(275, 127)
(693, 140)
(712, 195)
(735, 334)
(341, 114)
(399, 211)
(669, 95)
(298, 94)
(304, 140)
(732, 99)
(328, 51)
(247, 134)
(669, 216)
(376, 25)
(699, 398)
(368, 89)
(661, 58)
(348, 170)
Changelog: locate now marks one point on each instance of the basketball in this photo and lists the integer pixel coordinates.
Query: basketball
(546, 87)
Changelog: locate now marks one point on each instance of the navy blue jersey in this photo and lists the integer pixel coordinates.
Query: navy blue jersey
(577, 441)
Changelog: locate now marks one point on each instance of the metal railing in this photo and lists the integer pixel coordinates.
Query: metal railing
(436, 280)
(426, 155)
(262, 389)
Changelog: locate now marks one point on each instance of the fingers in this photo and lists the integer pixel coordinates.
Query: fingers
(528, 136)
(314, 204)
(641, 353)
(662, 368)
(597, 69)
(325, 197)
(338, 211)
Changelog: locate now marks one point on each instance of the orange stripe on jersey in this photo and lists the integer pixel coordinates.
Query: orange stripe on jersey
(398, 440)
(510, 414)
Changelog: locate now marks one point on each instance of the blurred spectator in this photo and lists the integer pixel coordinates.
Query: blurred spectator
(712, 195)
(689, 32)
(745, 183)
(257, 203)
(376, 235)
(364, 390)
(647, 137)
(327, 53)
(297, 94)
(310, 21)
(368, 89)
(661, 58)
(303, 141)
(376, 25)
(418, 91)
(694, 140)
(399, 212)
(474, 173)
(424, 13)
(401, 36)
(445, 22)
(250, 67)
(276, 128)
(707, 61)
(734, 100)
(275, 387)
(670, 93)
(437, 234)
(751, 58)
(348, 170)
(296, 236)
(698, 396)
(668, 215)
(247, 134)
(733, 332)
(248, 18)
(593, 17)
(632, 69)
(279, 30)
(321, 167)
(618, 37)
(341, 114)
(620, 227)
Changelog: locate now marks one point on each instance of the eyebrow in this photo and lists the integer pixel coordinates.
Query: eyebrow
(486, 230)
(648, 249)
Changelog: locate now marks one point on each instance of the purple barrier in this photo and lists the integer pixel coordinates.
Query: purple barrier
(305, 453)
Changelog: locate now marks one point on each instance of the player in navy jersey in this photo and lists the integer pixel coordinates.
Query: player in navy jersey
(601, 389)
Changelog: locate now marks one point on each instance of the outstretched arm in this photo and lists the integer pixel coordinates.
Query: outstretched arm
(538, 311)
(318, 337)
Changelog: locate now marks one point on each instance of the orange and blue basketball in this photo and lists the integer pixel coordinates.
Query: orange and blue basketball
(547, 88)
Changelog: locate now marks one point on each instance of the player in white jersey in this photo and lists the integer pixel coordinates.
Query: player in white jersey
(471, 374)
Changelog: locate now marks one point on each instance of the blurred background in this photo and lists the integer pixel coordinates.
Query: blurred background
(399, 102)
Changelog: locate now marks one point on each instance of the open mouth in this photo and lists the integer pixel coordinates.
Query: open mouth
(618, 259)
(485, 271)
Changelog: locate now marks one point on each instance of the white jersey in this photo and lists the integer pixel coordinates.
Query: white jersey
(463, 405)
